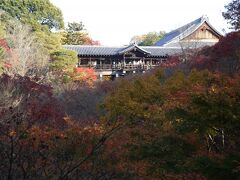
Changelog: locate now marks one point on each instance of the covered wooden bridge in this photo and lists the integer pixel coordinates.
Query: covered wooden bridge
(121, 60)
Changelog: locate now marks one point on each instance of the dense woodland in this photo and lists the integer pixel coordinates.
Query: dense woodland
(179, 121)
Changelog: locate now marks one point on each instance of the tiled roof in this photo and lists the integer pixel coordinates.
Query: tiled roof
(151, 51)
(184, 31)
(190, 44)
(161, 51)
(93, 50)
(177, 32)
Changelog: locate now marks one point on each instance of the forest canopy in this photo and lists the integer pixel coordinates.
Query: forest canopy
(57, 121)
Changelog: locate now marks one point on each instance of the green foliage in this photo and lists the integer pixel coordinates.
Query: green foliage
(75, 27)
(1, 53)
(151, 38)
(148, 39)
(226, 168)
(63, 60)
(39, 14)
(41, 19)
(164, 153)
(74, 34)
(2, 32)
(232, 14)
(74, 38)
(133, 103)
(51, 41)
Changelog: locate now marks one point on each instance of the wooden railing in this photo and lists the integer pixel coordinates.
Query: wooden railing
(119, 66)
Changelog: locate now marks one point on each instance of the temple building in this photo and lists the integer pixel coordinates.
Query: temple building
(198, 33)
(116, 61)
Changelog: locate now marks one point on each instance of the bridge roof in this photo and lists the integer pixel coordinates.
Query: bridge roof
(150, 51)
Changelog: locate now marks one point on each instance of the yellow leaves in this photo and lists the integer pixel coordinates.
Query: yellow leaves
(213, 89)
(95, 129)
(80, 129)
(69, 121)
(12, 133)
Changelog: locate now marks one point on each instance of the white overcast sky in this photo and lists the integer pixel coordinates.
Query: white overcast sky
(115, 22)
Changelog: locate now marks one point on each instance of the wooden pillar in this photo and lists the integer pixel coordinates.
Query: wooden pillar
(123, 61)
(151, 62)
(101, 76)
(79, 61)
(90, 62)
(143, 59)
(111, 63)
(100, 63)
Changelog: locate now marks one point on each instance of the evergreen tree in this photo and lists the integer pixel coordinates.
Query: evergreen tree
(39, 14)
(233, 14)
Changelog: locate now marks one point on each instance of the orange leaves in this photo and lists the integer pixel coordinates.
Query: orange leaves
(12, 133)
(84, 75)
(89, 41)
(4, 45)
(7, 65)
(69, 121)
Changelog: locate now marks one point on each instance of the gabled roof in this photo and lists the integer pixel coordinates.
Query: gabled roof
(184, 31)
(131, 47)
(150, 51)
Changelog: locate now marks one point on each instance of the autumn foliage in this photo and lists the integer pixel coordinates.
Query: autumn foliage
(222, 57)
(181, 121)
(84, 75)
(35, 102)
(38, 140)
(180, 124)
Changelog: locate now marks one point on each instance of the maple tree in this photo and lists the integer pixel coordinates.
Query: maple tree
(223, 56)
(24, 105)
(84, 75)
(173, 119)
(38, 141)
(180, 125)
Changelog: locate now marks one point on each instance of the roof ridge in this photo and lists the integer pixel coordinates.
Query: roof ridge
(159, 47)
(187, 25)
(98, 46)
(184, 31)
